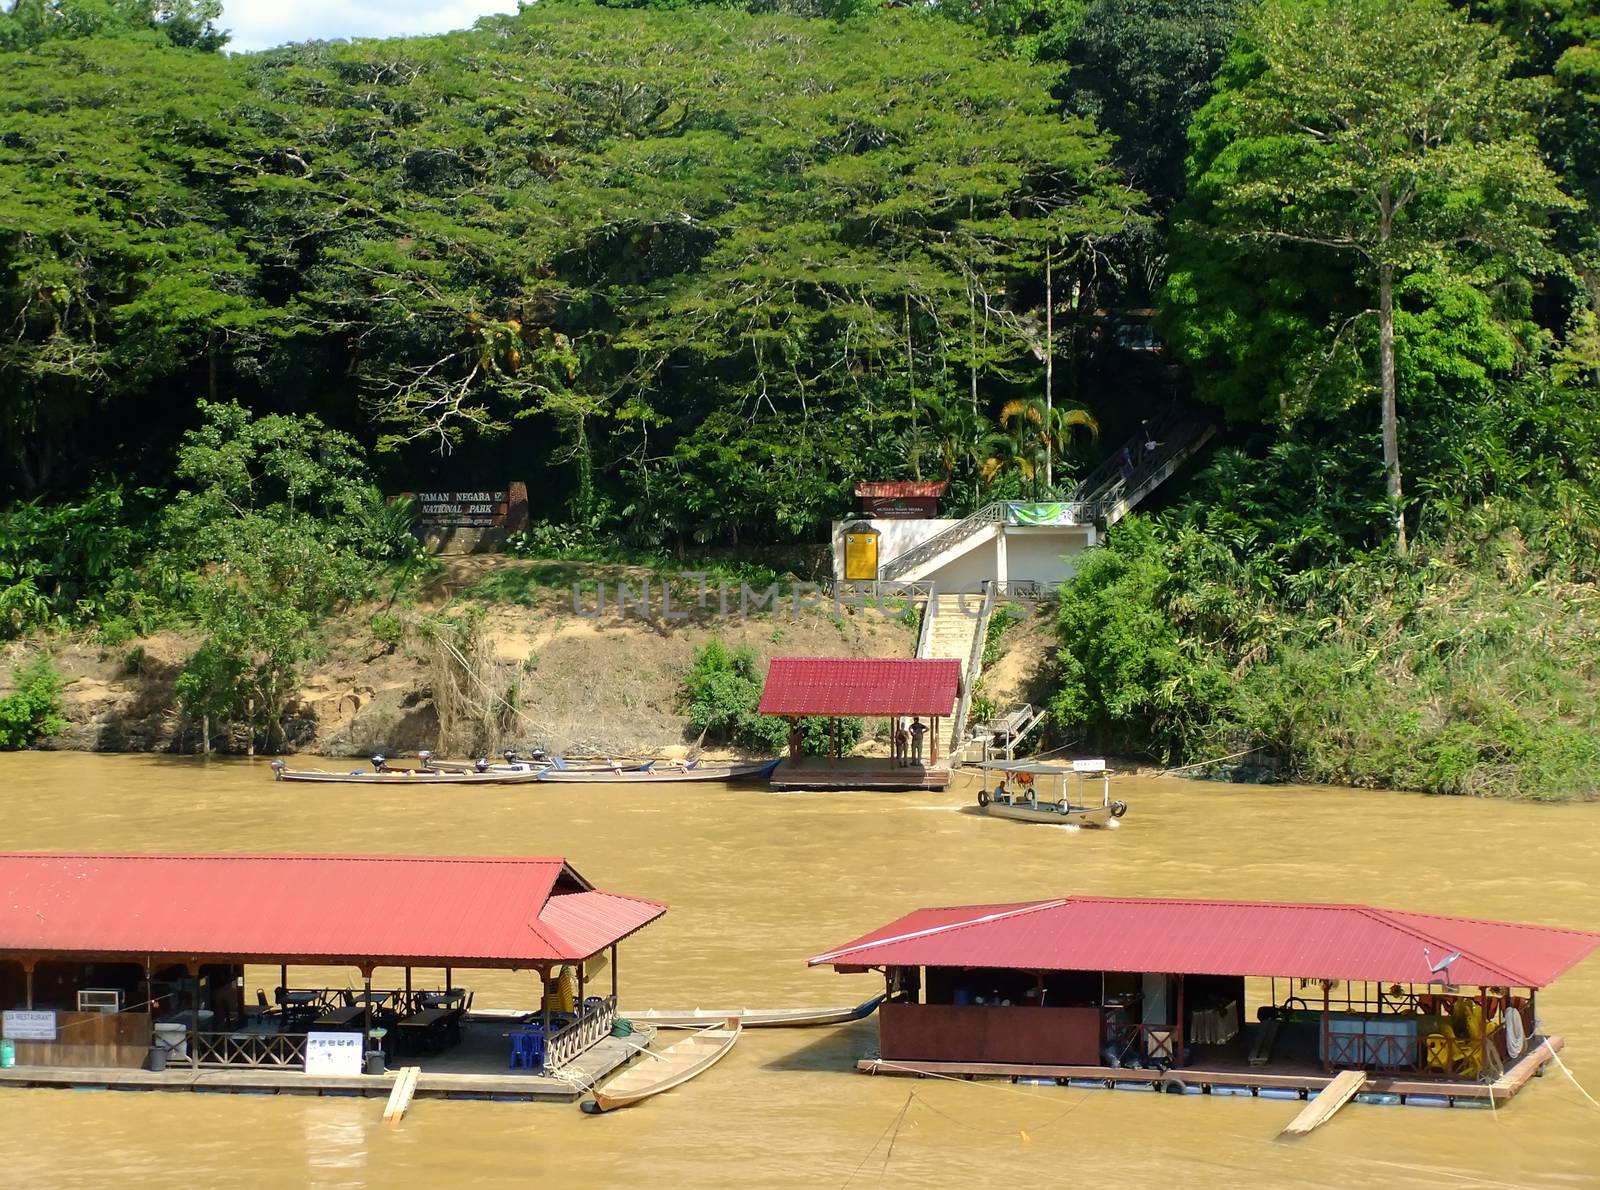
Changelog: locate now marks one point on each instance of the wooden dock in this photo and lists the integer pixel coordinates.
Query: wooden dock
(485, 1083)
(1308, 1081)
(858, 773)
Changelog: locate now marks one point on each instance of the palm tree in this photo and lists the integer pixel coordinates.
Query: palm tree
(1032, 434)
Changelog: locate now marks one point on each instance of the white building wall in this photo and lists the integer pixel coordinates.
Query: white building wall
(1033, 553)
(895, 537)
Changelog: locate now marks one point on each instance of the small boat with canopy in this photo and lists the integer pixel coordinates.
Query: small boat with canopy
(1054, 793)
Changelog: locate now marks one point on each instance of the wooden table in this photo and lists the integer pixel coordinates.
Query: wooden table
(340, 1018)
(431, 1030)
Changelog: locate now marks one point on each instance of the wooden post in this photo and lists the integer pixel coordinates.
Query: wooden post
(449, 979)
(283, 979)
(613, 971)
(933, 743)
(582, 988)
(1327, 1054)
(1177, 1045)
(408, 989)
(544, 975)
(194, 1019)
(366, 1015)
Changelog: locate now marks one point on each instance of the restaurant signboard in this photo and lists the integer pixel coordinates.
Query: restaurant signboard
(29, 1025)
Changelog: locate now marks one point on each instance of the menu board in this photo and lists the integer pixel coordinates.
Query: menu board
(333, 1053)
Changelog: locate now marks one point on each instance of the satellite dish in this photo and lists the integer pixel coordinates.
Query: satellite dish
(1442, 967)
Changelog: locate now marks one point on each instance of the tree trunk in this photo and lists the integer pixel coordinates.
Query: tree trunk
(1391, 420)
(1049, 371)
(205, 735)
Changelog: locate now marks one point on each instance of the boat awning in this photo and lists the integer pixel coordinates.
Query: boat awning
(860, 686)
(1093, 768)
(327, 909)
(1253, 938)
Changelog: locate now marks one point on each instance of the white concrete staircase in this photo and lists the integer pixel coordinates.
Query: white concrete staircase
(955, 626)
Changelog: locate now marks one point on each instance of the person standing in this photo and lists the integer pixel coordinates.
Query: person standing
(918, 730)
(902, 743)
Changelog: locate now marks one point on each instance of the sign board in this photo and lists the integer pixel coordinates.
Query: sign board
(900, 508)
(464, 510)
(1044, 514)
(26, 1025)
(861, 554)
(333, 1053)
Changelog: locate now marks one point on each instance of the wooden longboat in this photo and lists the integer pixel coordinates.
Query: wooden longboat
(388, 776)
(662, 771)
(757, 1018)
(1017, 795)
(672, 1067)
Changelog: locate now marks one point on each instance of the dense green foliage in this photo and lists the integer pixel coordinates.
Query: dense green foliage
(32, 710)
(720, 695)
(693, 268)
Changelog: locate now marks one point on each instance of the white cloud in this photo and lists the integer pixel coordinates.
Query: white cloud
(261, 24)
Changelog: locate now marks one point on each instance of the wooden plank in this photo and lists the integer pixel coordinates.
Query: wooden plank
(1329, 1100)
(1261, 1051)
(405, 1086)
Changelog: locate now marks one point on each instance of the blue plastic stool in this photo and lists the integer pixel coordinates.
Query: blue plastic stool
(527, 1050)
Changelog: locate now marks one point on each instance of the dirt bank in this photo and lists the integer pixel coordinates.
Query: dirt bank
(590, 682)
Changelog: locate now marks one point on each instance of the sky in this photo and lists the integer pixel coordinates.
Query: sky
(261, 24)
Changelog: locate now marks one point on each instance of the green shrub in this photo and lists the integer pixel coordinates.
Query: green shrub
(720, 695)
(33, 710)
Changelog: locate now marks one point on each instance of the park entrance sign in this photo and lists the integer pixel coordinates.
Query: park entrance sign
(470, 521)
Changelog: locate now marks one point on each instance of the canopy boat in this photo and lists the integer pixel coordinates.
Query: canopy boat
(758, 1018)
(672, 1067)
(514, 763)
(382, 773)
(662, 770)
(1018, 795)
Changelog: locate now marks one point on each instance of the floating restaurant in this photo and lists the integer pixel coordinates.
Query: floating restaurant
(131, 970)
(905, 691)
(1226, 997)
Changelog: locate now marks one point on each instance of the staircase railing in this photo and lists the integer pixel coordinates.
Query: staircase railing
(980, 639)
(989, 514)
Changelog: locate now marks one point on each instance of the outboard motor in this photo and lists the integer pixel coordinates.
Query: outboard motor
(481, 764)
(378, 762)
(277, 769)
(426, 757)
(538, 755)
(511, 756)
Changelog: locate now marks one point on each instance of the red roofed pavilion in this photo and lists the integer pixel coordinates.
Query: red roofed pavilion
(105, 949)
(1108, 984)
(903, 690)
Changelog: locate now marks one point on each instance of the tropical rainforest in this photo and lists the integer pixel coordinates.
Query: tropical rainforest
(693, 269)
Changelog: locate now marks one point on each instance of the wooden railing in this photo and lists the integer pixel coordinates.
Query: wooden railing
(594, 1023)
(269, 1050)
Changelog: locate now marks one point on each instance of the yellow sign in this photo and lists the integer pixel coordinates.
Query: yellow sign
(861, 556)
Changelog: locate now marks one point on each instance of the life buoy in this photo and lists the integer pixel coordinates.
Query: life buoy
(983, 796)
(1173, 1086)
(1516, 1035)
(1118, 809)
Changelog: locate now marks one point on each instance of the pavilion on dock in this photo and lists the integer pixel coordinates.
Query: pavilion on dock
(117, 962)
(905, 691)
(1139, 992)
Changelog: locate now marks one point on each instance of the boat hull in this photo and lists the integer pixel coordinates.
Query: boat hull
(1073, 816)
(410, 777)
(672, 1067)
(652, 776)
(755, 1018)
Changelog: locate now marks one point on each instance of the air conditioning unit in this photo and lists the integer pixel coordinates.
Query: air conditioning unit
(99, 1000)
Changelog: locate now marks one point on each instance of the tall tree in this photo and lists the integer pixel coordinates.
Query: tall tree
(1391, 133)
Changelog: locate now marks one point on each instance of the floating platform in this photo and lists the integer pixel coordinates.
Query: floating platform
(858, 773)
(474, 1070)
(1286, 1082)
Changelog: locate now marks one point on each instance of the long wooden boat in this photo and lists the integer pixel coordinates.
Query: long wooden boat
(672, 1067)
(662, 771)
(1022, 794)
(389, 776)
(513, 763)
(757, 1018)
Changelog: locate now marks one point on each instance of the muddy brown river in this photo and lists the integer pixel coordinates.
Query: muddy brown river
(757, 882)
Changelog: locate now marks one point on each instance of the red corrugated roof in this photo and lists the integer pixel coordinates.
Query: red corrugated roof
(860, 686)
(1350, 942)
(902, 488)
(454, 911)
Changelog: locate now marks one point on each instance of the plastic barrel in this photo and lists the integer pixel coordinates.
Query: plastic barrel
(8, 1053)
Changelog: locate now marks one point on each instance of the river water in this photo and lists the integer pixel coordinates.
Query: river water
(757, 882)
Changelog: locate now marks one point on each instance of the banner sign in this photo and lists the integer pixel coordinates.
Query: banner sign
(1043, 514)
(24, 1025)
(333, 1053)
